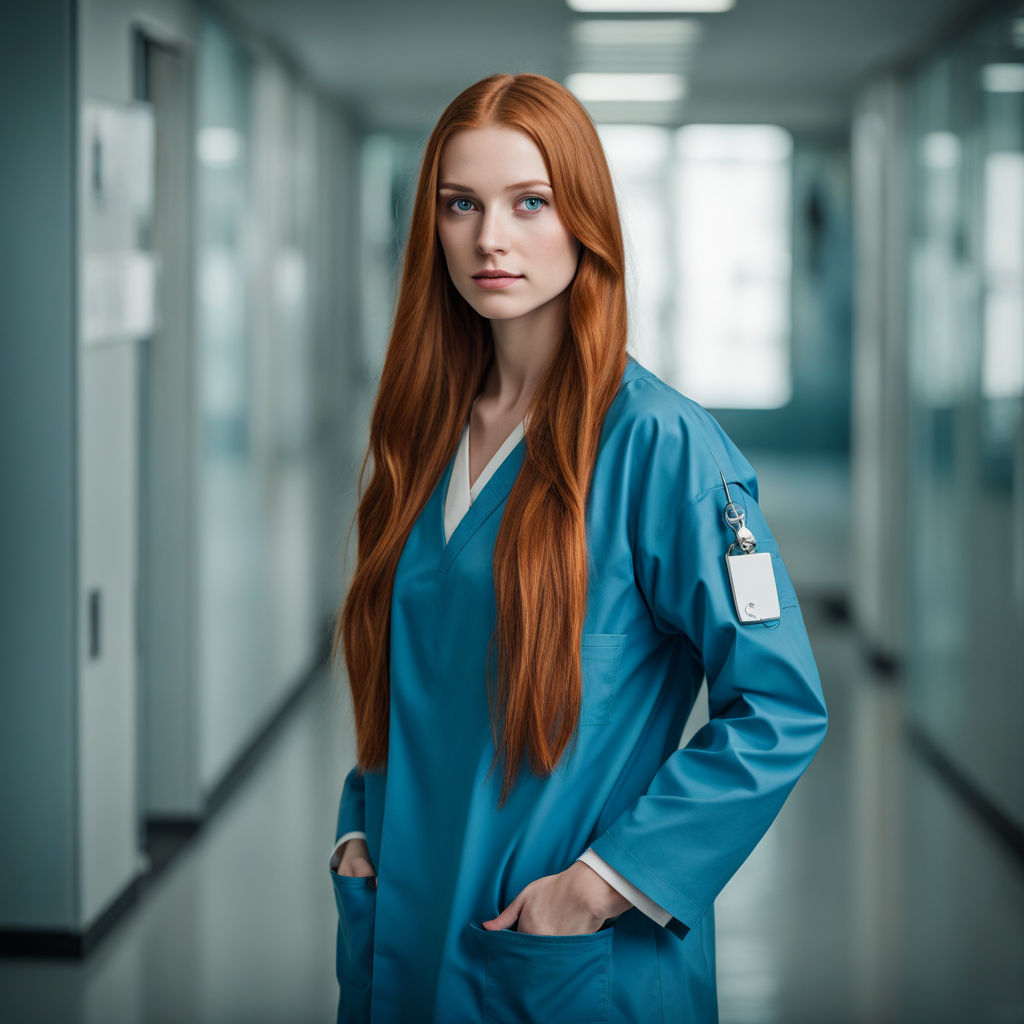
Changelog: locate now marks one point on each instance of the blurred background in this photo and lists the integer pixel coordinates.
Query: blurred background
(203, 212)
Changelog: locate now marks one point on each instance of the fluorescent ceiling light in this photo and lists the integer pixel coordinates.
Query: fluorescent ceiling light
(602, 87)
(652, 6)
(640, 146)
(219, 147)
(649, 32)
(1002, 77)
(940, 150)
(734, 143)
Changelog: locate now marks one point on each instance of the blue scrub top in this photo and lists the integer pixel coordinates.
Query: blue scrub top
(677, 823)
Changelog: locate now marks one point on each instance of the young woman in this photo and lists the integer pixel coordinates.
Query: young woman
(542, 585)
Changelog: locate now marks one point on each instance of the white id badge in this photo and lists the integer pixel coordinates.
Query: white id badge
(753, 587)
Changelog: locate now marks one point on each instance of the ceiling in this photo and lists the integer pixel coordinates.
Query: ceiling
(397, 63)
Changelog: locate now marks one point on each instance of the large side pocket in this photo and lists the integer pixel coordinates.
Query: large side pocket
(356, 903)
(564, 979)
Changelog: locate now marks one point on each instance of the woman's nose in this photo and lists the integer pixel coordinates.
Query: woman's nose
(493, 236)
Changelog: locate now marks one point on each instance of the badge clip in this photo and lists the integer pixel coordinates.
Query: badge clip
(750, 574)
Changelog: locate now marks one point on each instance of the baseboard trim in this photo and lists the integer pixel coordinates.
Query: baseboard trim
(989, 814)
(166, 839)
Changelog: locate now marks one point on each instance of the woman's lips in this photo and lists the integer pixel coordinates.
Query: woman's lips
(491, 283)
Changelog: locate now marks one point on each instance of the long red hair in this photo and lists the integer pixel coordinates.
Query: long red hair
(437, 359)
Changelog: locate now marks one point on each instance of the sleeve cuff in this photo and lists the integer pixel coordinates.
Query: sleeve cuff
(339, 842)
(626, 887)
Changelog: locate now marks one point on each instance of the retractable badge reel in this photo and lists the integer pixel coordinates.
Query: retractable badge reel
(750, 574)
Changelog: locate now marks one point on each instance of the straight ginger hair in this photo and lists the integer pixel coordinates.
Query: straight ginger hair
(436, 363)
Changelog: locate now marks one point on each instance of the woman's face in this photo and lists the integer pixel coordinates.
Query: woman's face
(496, 212)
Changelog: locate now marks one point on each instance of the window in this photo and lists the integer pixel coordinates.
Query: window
(706, 212)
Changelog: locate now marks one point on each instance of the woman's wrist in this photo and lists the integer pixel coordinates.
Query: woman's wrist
(603, 900)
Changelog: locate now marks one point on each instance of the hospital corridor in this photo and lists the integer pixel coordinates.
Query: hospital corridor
(205, 216)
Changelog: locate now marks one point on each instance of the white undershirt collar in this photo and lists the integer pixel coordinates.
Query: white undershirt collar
(460, 495)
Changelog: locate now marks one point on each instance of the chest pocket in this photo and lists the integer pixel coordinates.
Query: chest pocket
(601, 653)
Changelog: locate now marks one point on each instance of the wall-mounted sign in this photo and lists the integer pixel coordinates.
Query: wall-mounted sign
(117, 270)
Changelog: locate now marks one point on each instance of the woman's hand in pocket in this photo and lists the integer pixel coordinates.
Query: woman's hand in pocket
(576, 901)
(355, 861)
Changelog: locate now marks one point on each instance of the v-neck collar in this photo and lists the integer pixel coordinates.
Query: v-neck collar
(460, 494)
(493, 492)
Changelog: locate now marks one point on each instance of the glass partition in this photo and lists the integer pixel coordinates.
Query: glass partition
(966, 323)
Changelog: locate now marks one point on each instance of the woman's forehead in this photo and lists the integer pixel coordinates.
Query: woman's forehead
(491, 156)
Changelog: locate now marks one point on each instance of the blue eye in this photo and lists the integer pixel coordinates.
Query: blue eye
(461, 209)
(534, 199)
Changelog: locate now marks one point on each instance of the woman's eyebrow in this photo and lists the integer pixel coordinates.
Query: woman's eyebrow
(448, 186)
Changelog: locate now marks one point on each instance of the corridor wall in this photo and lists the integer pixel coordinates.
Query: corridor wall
(939, 397)
(175, 484)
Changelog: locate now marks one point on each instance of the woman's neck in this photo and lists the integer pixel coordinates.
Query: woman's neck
(523, 350)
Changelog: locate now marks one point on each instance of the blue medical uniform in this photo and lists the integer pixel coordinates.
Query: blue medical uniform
(677, 823)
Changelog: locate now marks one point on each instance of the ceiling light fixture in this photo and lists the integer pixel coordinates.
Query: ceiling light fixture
(603, 87)
(661, 32)
(219, 147)
(1002, 77)
(650, 6)
(940, 151)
